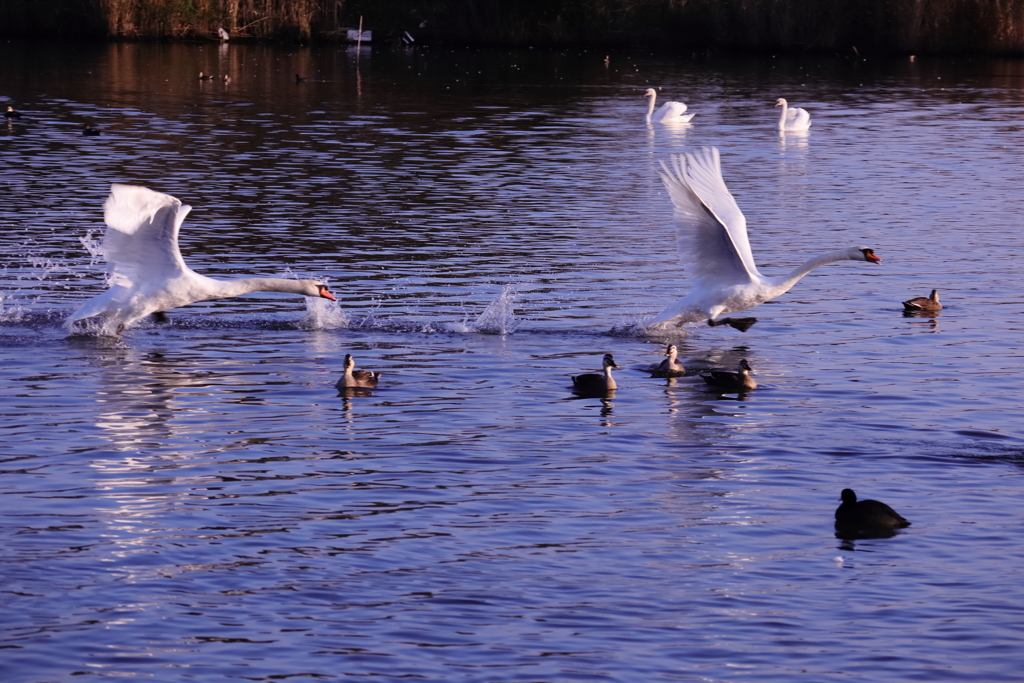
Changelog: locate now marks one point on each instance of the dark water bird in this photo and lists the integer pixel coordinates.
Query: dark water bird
(924, 303)
(226, 79)
(711, 234)
(356, 378)
(299, 79)
(671, 366)
(90, 130)
(594, 383)
(866, 518)
(204, 77)
(146, 273)
(11, 113)
(732, 381)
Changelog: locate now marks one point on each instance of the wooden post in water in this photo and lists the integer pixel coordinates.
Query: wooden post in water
(359, 38)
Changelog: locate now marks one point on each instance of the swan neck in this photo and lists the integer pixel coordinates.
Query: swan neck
(650, 106)
(787, 281)
(260, 284)
(782, 118)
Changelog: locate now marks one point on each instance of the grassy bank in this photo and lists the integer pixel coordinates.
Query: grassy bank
(937, 26)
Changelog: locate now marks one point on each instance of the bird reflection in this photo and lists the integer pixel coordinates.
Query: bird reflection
(920, 314)
(794, 140)
(347, 393)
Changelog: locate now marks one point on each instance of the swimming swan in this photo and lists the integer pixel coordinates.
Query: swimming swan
(712, 240)
(356, 378)
(792, 119)
(594, 383)
(733, 381)
(145, 271)
(670, 112)
(671, 366)
(924, 303)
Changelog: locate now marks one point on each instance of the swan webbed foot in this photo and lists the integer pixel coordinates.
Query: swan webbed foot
(160, 317)
(741, 324)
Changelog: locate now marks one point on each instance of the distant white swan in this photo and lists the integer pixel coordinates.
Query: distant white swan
(792, 119)
(145, 271)
(670, 112)
(711, 234)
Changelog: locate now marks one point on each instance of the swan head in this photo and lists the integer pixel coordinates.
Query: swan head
(650, 92)
(314, 288)
(864, 254)
(781, 102)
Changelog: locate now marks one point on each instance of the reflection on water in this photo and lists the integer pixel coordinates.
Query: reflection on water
(200, 494)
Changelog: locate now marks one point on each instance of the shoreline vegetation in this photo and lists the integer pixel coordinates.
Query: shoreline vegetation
(878, 26)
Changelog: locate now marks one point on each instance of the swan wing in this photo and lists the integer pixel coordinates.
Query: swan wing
(711, 231)
(796, 117)
(141, 241)
(670, 111)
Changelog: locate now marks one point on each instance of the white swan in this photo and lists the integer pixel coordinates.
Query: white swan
(670, 112)
(792, 119)
(145, 271)
(712, 241)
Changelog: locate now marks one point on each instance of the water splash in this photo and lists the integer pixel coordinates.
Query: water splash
(321, 314)
(45, 267)
(93, 246)
(497, 318)
(98, 326)
(10, 310)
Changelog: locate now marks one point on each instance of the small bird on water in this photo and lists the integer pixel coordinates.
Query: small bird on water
(594, 384)
(90, 130)
(356, 378)
(732, 381)
(866, 518)
(671, 366)
(12, 113)
(924, 303)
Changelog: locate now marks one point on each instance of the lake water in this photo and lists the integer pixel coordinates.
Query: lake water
(195, 501)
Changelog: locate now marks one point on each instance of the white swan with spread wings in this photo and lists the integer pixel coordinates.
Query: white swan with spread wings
(145, 271)
(711, 234)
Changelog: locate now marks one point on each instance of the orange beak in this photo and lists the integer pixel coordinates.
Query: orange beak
(870, 256)
(325, 294)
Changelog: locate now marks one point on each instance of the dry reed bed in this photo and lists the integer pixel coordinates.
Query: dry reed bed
(940, 26)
